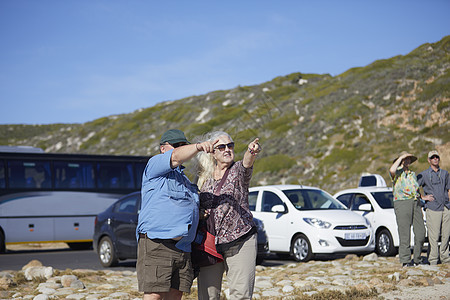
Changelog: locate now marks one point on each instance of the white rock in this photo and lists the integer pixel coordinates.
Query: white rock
(287, 288)
(264, 284)
(395, 276)
(77, 284)
(270, 294)
(120, 295)
(50, 285)
(37, 272)
(106, 287)
(66, 280)
(76, 296)
(317, 279)
(284, 282)
(414, 272)
(370, 257)
(47, 291)
(310, 293)
(94, 297)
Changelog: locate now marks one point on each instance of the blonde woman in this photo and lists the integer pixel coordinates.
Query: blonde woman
(223, 185)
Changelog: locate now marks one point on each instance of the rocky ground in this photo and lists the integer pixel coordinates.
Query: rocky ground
(352, 277)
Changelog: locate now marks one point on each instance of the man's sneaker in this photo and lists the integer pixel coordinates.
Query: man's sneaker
(422, 262)
(409, 264)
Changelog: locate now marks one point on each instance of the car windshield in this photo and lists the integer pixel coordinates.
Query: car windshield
(384, 199)
(307, 199)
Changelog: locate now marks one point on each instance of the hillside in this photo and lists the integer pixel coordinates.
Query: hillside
(315, 129)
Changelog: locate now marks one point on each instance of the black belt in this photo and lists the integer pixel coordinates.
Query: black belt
(144, 236)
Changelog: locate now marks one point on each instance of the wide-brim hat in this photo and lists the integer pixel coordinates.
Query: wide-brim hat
(413, 158)
(173, 136)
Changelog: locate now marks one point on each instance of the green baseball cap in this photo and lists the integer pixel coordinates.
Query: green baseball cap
(173, 136)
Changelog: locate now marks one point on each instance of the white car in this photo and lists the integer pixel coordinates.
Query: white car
(304, 221)
(374, 200)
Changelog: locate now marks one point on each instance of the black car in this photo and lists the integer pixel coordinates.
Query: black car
(115, 232)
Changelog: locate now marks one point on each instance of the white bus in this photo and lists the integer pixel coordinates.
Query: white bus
(47, 197)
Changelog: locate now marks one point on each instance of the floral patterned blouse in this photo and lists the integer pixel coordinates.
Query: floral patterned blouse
(405, 185)
(232, 216)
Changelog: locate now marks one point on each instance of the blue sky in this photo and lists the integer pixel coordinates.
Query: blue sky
(74, 61)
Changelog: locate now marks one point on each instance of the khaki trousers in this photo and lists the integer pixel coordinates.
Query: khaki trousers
(239, 264)
(408, 212)
(438, 223)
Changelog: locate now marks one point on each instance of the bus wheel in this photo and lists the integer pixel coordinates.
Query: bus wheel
(2, 242)
(107, 253)
(80, 246)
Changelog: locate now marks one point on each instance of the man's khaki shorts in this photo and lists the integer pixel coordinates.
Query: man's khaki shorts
(161, 266)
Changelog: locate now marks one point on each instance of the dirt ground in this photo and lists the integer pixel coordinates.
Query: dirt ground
(435, 292)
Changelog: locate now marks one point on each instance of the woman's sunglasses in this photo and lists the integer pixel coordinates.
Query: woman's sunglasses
(222, 147)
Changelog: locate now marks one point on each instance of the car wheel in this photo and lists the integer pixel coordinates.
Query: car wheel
(107, 253)
(2, 242)
(385, 244)
(259, 259)
(301, 249)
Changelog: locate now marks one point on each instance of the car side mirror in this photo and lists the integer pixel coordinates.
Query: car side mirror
(365, 207)
(279, 208)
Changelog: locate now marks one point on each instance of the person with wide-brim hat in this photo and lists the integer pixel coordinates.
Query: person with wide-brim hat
(408, 211)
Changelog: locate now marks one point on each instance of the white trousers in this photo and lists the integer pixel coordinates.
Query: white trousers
(239, 264)
(438, 223)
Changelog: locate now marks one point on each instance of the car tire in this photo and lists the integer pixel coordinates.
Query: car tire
(259, 259)
(385, 244)
(107, 253)
(2, 242)
(80, 246)
(301, 249)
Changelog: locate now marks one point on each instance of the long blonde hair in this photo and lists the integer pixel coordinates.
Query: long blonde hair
(206, 161)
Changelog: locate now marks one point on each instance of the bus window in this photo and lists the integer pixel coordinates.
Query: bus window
(29, 174)
(139, 171)
(73, 175)
(115, 175)
(2, 176)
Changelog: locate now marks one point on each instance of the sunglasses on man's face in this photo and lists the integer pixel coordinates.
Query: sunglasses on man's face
(434, 156)
(222, 147)
(175, 145)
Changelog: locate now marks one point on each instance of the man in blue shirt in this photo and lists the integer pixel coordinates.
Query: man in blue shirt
(436, 184)
(168, 219)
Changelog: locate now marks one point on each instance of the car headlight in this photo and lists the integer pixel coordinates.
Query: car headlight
(317, 223)
(367, 222)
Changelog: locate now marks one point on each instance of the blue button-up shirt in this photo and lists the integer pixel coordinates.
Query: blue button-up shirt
(170, 203)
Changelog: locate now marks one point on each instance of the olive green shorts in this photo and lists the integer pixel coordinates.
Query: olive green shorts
(161, 266)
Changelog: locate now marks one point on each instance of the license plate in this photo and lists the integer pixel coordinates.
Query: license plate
(355, 236)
